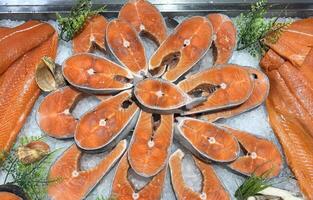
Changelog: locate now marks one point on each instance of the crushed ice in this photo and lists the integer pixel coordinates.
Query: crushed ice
(254, 121)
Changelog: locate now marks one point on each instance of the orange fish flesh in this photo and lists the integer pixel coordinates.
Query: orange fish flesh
(224, 37)
(258, 96)
(21, 40)
(92, 35)
(19, 91)
(75, 183)
(206, 140)
(150, 143)
(126, 46)
(145, 18)
(54, 115)
(262, 157)
(106, 124)
(224, 86)
(182, 49)
(96, 74)
(122, 188)
(212, 188)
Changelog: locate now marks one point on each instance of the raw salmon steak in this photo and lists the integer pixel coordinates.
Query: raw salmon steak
(92, 35)
(150, 143)
(19, 91)
(9, 196)
(75, 183)
(96, 74)
(122, 188)
(212, 188)
(145, 18)
(159, 95)
(224, 37)
(258, 96)
(109, 122)
(54, 115)
(125, 44)
(12, 192)
(262, 157)
(290, 115)
(207, 140)
(21, 40)
(182, 49)
(224, 86)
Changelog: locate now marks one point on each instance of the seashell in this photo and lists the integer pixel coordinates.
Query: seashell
(48, 75)
(32, 152)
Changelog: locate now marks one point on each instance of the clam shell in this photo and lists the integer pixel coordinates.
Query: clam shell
(48, 75)
(32, 152)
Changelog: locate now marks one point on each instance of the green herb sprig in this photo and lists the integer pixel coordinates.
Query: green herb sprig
(254, 29)
(253, 185)
(32, 178)
(75, 21)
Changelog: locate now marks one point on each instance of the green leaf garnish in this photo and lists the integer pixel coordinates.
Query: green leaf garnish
(32, 178)
(75, 21)
(254, 29)
(253, 185)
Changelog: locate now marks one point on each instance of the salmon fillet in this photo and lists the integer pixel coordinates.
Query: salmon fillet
(21, 39)
(19, 91)
(290, 107)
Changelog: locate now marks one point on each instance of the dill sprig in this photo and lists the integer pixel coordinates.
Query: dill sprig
(32, 178)
(253, 28)
(253, 185)
(74, 22)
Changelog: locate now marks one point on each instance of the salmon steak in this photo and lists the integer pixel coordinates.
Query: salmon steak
(92, 35)
(54, 115)
(259, 94)
(212, 188)
(262, 157)
(16, 102)
(150, 143)
(12, 192)
(96, 74)
(206, 140)
(106, 124)
(145, 18)
(289, 107)
(9, 196)
(224, 86)
(75, 183)
(224, 37)
(36, 33)
(181, 50)
(160, 95)
(126, 46)
(122, 188)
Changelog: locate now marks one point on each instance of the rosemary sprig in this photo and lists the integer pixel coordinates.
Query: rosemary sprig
(32, 178)
(253, 185)
(73, 24)
(254, 30)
